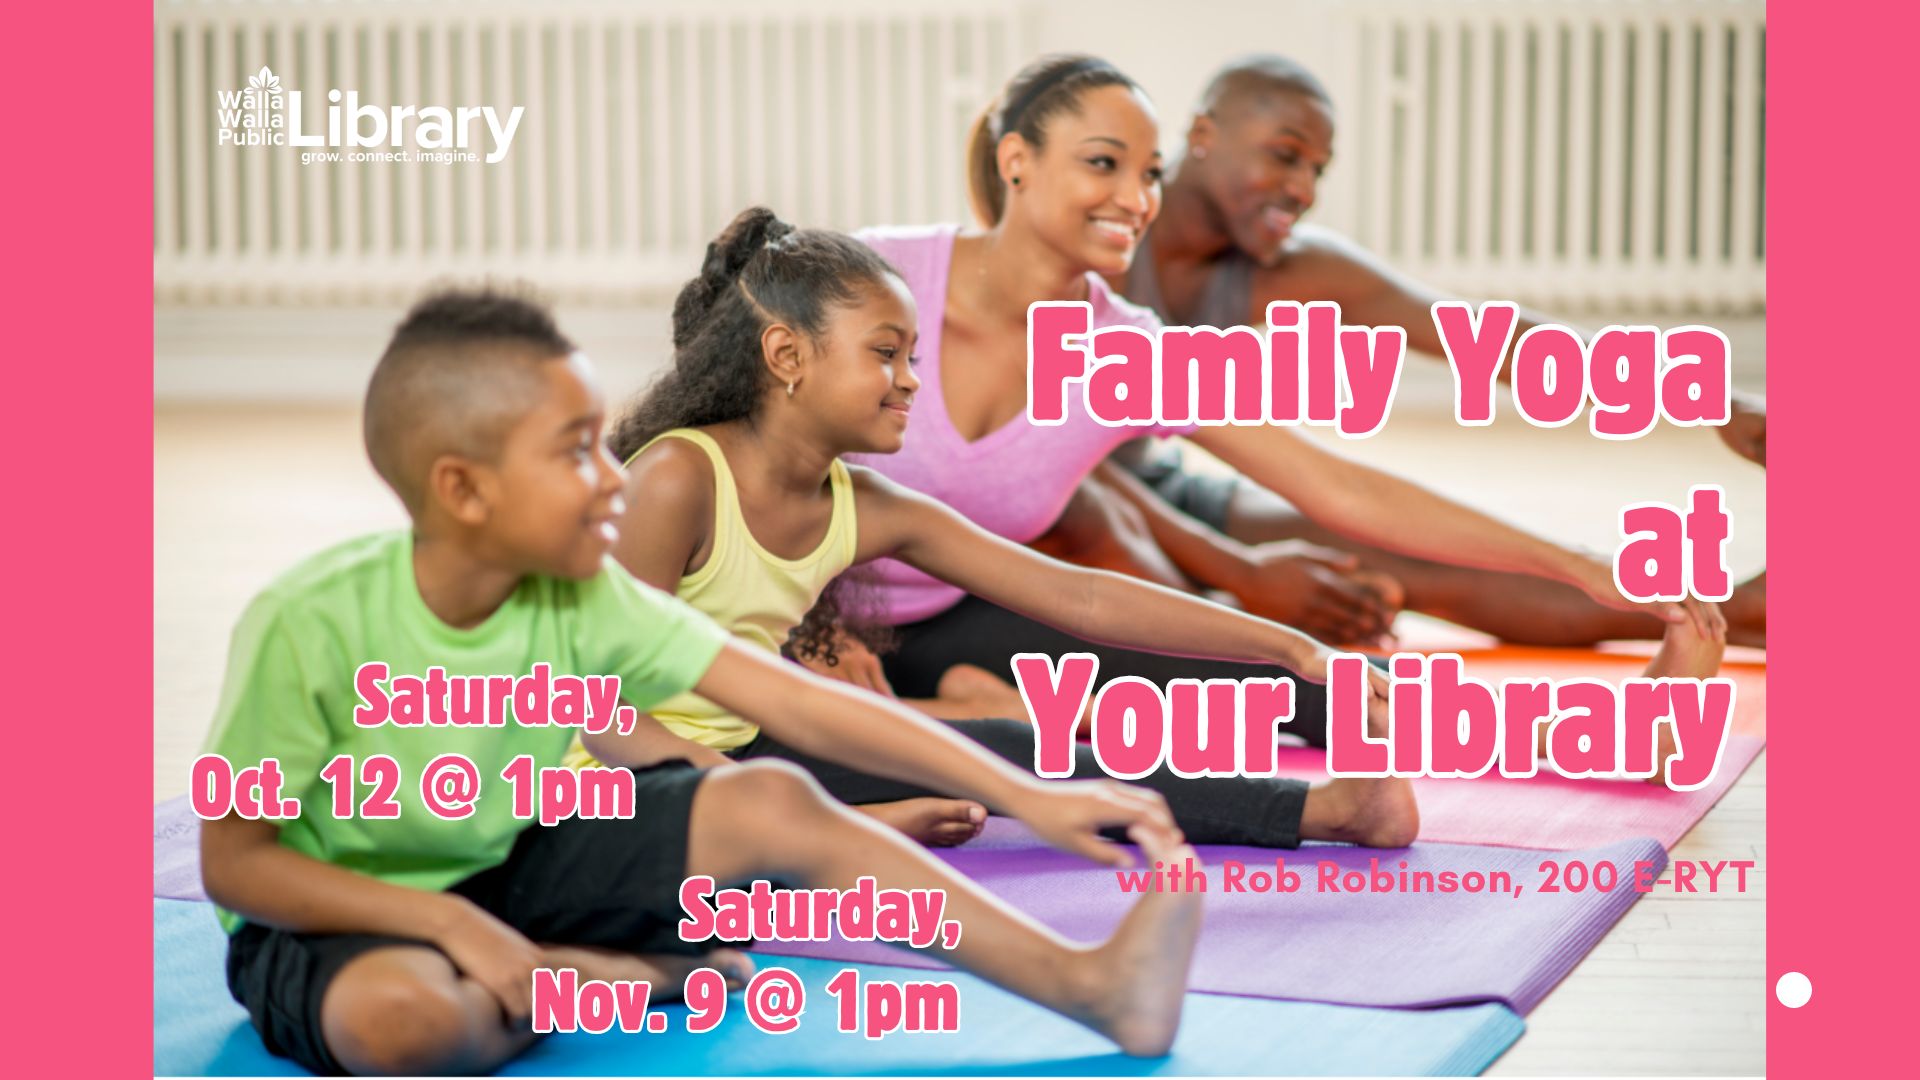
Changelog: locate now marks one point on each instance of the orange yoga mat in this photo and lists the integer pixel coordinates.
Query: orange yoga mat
(1556, 813)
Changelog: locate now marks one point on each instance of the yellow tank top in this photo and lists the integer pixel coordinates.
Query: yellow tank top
(756, 595)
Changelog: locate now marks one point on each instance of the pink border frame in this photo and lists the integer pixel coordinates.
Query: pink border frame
(1840, 167)
(1840, 198)
(80, 447)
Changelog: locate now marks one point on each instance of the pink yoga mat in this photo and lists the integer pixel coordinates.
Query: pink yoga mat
(1352, 948)
(1549, 811)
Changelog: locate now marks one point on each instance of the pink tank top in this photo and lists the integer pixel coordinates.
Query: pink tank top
(1013, 481)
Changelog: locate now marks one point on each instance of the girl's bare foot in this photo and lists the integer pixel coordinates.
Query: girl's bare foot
(933, 822)
(981, 691)
(1130, 988)
(665, 972)
(1369, 811)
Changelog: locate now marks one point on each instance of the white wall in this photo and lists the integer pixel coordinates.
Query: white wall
(317, 349)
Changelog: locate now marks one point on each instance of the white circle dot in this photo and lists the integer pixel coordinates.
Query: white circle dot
(1793, 990)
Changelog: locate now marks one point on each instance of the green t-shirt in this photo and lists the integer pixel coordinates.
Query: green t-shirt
(289, 694)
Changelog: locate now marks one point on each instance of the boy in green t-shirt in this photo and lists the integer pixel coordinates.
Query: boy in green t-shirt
(393, 939)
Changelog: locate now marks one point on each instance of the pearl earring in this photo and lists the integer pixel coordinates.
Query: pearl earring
(1200, 152)
(789, 389)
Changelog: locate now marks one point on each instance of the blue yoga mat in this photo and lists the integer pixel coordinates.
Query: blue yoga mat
(198, 1030)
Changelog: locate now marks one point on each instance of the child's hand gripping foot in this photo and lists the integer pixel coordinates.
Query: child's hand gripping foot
(1070, 814)
(1368, 811)
(1691, 649)
(1134, 984)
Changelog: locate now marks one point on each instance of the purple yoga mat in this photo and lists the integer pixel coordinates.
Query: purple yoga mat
(176, 851)
(1389, 949)
(1351, 948)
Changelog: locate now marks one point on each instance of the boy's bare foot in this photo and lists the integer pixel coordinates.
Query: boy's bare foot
(1132, 986)
(1685, 653)
(1746, 612)
(933, 822)
(980, 692)
(1370, 811)
(666, 972)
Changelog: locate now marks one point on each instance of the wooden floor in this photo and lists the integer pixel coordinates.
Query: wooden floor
(1676, 988)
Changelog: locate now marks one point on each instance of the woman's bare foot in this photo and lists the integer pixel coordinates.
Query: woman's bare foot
(933, 822)
(1746, 612)
(1685, 653)
(1369, 811)
(977, 689)
(666, 972)
(1131, 987)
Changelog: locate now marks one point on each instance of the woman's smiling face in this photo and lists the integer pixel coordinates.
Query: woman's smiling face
(1092, 187)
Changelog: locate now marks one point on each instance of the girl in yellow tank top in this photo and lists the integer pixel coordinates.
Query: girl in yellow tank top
(756, 595)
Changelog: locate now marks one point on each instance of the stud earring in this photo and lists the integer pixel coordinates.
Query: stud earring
(1200, 152)
(1016, 181)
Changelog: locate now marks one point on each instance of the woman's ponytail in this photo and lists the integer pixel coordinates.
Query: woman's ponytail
(1051, 84)
(983, 170)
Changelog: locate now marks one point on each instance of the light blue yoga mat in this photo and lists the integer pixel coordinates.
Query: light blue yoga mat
(199, 1030)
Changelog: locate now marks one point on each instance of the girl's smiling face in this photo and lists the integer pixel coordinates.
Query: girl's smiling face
(856, 381)
(1093, 186)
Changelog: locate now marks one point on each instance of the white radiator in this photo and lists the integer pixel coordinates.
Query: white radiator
(1573, 153)
(646, 128)
(1570, 153)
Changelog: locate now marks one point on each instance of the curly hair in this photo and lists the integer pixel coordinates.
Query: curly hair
(759, 271)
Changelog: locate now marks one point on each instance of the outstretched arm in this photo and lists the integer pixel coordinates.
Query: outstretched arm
(828, 719)
(1386, 511)
(1323, 265)
(1292, 581)
(1094, 604)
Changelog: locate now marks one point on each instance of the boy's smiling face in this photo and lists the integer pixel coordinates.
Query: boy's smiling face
(551, 499)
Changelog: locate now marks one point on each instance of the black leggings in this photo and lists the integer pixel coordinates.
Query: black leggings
(1253, 810)
(987, 635)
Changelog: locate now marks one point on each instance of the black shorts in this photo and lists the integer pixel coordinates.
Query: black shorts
(609, 883)
(1203, 496)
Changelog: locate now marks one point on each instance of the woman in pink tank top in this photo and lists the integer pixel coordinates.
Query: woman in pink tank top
(1064, 169)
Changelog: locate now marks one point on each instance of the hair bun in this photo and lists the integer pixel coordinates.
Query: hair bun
(754, 229)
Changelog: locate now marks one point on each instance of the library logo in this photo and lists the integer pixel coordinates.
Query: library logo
(266, 114)
(254, 116)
